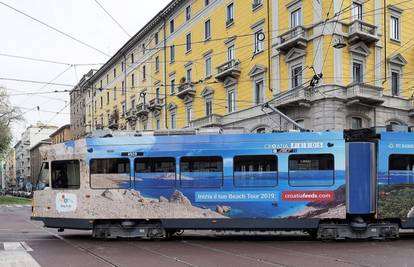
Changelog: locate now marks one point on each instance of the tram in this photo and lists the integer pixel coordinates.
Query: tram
(333, 185)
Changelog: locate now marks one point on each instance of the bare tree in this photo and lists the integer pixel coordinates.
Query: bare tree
(8, 115)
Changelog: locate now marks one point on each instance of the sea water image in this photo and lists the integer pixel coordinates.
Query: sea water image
(262, 201)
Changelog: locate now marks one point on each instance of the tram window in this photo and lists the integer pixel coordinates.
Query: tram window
(255, 171)
(401, 169)
(65, 174)
(311, 170)
(201, 171)
(110, 173)
(155, 172)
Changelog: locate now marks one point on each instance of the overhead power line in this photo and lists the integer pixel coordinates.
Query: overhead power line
(113, 19)
(55, 29)
(39, 82)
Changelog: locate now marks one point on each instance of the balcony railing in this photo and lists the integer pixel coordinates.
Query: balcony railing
(362, 31)
(299, 96)
(186, 89)
(364, 93)
(142, 110)
(230, 68)
(130, 115)
(295, 37)
(208, 121)
(156, 103)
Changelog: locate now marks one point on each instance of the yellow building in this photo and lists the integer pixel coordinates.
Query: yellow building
(61, 135)
(205, 63)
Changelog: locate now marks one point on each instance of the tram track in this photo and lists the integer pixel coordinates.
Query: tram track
(79, 247)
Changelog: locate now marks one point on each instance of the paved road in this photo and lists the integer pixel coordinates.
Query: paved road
(26, 243)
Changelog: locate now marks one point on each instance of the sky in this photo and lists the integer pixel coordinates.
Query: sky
(82, 19)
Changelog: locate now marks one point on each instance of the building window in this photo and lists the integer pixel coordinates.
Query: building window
(172, 26)
(132, 81)
(256, 3)
(100, 87)
(123, 109)
(231, 101)
(188, 114)
(258, 41)
(395, 83)
(188, 13)
(122, 88)
(188, 42)
(157, 64)
(208, 106)
(172, 53)
(114, 73)
(143, 49)
(157, 93)
(107, 97)
(172, 83)
(206, 2)
(107, 78)
(295, 18)
(173, 120)
(357, 72)
(156, 38)
(189, 75)
(231, 53)
(356, 123)
(296, 76)
(144, 73)
(207, 29)
(114, 93)
(230, 14)
(122, 66)
(207, 66)
(356, 11)
(132, 58)
(101, 102)
(395, 28)
(258, 92)
(157, 123)
(133, 104)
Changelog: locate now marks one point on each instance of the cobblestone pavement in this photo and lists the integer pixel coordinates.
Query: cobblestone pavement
(27, 243)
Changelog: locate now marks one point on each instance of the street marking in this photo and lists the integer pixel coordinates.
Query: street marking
(15, 254)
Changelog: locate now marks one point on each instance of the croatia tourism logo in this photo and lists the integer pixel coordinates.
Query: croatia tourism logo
(66, 202)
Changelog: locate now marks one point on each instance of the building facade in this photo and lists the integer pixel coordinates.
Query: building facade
(78, 126)
(62, 134)
(328, 65)
(30, 137)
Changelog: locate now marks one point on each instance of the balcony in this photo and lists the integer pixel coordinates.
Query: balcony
(156, 104)
(208, 121)
(362, 31)
(364, 93)
(186, 89)
(130, 115)
(229, 69)
(299, 96)
(142, 110)
(295, 37)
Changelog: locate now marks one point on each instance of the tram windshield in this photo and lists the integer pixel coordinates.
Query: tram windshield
(65, 174)
(43, 177)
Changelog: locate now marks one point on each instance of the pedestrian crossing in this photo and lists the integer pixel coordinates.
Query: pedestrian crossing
(15, 254)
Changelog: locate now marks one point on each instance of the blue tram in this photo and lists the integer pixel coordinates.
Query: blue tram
(325, 183)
